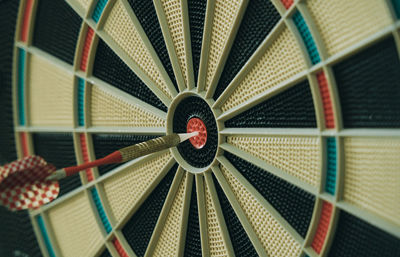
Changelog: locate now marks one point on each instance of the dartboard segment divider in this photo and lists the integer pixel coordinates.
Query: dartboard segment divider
(319, 154)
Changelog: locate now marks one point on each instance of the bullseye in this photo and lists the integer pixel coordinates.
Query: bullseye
(196, 124)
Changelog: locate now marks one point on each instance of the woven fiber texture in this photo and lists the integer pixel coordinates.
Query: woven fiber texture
(216, 242)
(128, 187)
(75, 227)
(8, 16)
(81, 102)
(111, 69)
(258, 21)
(140, 227)
(16, 233)
(224, 17)
(294, 204)
(322, 227)
(104, 144)
(369, 87)
(174, 14)
(45, 235)
(274, 238)
(343, 23)
(169, 242)
(100, 210)
(307, 37)
(86, 48)
(281, 61)
(58, 149)
(240, 241)
(51, 93)
(106, 253)
(372, 177)
(330, 184)
(298, 156)
(109, 110)
(147, 16)
(193, 243)
(98, 10)
(57, 34)
(326, 100)
(293, 108)
(197, 11)
(355, 237)
(84, 4)
(121, 29)
(195, 107)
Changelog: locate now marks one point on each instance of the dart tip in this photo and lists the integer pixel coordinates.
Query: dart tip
(186, 136)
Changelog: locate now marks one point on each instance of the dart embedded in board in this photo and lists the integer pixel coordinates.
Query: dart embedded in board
(31, 182)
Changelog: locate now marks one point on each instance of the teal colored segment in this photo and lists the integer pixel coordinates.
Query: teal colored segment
(396, 5)
(98, 10)
(21, 91)
(100, 210)
(81, 102)
(45, 236)
(307, 38)
(331, 166)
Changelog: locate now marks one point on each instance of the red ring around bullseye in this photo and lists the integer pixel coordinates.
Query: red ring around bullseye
(196, 124)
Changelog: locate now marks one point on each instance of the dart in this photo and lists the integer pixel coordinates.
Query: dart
(127, 153)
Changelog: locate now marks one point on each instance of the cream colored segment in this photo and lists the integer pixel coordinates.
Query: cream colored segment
(274, 238)
(225, 13)
(343, 23)
(281, 61)
(126, 188)
(75, 228)
(84, 4)
(121, 29)
(372, 175)
(174, 15)
(298, 156)
(50, 92)
(169, 240)
(107, 109)
(216, 242)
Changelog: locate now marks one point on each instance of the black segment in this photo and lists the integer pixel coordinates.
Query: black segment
(369, 87)
(147, 16)
(16, 233)
(258, 21)
(56, 29)
(111, 69)
(106, 253)
(193, 241)
(58, 149)
(105, 144)
(197, 11)
(8, 17)
(195, 107)
(240, 241)
(293, 108)
(294, 204)
(140, 227)
(355, 237)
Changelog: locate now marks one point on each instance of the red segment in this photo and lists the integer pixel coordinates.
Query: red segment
(287, 3)
(24, 143)
(26, 21)
(85, 154)
(326, 100)
(322, 228)
(119, 248)
(86, 48)
(196, 124)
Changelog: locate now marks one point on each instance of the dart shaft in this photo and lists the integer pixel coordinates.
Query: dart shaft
(126, 154)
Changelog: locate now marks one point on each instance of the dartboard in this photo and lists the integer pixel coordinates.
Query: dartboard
(297, 104)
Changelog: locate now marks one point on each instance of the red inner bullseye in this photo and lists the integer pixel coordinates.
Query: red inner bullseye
(196, 124)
